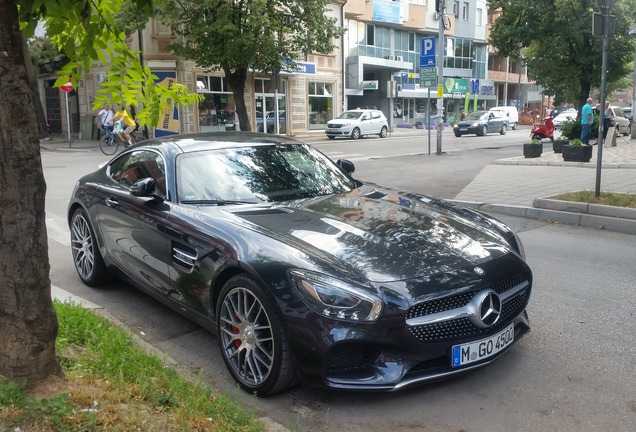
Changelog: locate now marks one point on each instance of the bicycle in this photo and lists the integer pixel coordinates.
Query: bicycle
(110, 144)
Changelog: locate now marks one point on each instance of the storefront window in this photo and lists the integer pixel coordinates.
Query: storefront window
(216, 110)
(320, 105)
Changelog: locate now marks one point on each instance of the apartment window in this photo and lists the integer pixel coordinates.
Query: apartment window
(370, 39)
(479, 17)
(465, 11)
(456, 8)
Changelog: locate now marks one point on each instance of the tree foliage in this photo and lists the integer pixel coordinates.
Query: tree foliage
(554, 38)
(248, 35)
(88, 32)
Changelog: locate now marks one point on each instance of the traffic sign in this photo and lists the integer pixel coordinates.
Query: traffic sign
(427, 56)
(67, 87)
(428, 77)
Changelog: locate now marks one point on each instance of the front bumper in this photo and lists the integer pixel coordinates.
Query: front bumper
(391, 355)
(342, 132)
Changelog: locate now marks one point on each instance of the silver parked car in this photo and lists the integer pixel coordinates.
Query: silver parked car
(620, 121)
(356, 123)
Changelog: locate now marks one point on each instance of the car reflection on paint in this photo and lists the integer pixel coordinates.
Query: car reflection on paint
(302, 271)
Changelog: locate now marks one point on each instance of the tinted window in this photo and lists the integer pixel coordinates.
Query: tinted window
(136, 165)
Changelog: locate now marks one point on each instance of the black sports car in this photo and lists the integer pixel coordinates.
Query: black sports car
(302, 271)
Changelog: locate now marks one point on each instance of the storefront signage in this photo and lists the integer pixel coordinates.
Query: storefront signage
(387, 11)
(370, 85)
(300, 68)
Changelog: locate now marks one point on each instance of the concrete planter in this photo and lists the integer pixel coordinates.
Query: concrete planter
(531, 150)
(577, 153)
(557, 145)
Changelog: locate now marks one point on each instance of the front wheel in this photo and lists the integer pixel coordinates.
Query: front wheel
(503, 130)
(629, 130)
(331, 137)
(110, 145)
(252, 339)
(484, 130)
(86, 256)
(457, 134)
(355, 134)
(383, 132)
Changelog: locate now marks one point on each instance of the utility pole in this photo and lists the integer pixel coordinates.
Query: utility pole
(440, 7)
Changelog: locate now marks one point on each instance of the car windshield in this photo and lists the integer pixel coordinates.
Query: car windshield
(350, 115)
(475, 115)
(261, 173)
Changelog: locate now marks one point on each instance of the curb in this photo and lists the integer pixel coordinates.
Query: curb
(609, 221)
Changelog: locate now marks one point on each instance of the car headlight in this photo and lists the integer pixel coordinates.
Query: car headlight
(334, 298)
(475, 124)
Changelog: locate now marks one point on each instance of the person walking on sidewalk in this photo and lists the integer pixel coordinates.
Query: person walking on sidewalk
(607, 119)
(105, 115)
(586, 122)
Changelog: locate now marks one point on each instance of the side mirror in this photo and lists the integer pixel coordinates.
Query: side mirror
(143, 187)
(346, 165)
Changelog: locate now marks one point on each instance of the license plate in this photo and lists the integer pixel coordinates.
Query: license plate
(481, 349)
(463, 129)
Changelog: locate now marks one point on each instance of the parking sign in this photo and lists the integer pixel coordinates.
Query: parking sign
(427, 56)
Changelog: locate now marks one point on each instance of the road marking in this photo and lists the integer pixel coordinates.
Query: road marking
(57, 229)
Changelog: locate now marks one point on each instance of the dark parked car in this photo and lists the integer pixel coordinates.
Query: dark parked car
(481, 123)
(302, 271)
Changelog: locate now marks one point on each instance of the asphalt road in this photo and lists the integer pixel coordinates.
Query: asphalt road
(575, 371)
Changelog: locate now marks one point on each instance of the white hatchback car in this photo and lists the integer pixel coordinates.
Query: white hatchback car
(356, 123)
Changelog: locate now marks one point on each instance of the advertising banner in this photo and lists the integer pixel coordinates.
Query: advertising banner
(168, 123)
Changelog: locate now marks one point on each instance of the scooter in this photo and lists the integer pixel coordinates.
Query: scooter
(543, 130)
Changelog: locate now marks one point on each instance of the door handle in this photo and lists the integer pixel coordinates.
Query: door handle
(111, 202)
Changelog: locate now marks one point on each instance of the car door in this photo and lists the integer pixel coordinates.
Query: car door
(132, 227)
(494, 121)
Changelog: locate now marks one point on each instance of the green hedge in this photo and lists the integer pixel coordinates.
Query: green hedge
(572, 129)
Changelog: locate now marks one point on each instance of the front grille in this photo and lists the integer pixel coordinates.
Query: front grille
(334, 126)
(462, 328)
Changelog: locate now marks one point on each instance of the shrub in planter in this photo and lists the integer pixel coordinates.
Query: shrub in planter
(572, 129)
(533, 149)
(576, 151)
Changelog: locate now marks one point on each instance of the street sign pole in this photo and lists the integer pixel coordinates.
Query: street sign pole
(440, 80)
(66, 88)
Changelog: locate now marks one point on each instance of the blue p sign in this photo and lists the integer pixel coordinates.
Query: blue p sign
(427, 57)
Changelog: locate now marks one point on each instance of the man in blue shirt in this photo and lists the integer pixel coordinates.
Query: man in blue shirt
(586, 122)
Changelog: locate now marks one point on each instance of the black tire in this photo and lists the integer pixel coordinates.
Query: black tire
(383, 132)
(551, 138)
(618, 130)
(252, 338)
(355, 133)
(87, 259)
(457, 134)
(110, 145)
(629, 130)
(503, 130)
(484, 130)
(514, 126)
(536, 136)
(331, 137)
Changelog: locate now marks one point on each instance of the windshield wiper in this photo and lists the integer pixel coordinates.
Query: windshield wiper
(217, 202)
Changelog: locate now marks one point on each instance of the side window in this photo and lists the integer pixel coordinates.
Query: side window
(376, 115)
(136, 165)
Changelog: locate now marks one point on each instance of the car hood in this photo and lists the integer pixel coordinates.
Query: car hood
(379, 234)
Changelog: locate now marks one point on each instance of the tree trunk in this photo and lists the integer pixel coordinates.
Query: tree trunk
(43, 131)
(28, 324)
(237, 81)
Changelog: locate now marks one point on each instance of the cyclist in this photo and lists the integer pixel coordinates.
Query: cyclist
(127, 121)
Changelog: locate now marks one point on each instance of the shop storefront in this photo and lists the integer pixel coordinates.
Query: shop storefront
(320, 104)
(216, 110)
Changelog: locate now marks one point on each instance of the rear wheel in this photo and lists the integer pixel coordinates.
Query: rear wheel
(514, 126)
(355, 134)
(252, 339)
(86, 256)
(383, 132)
(629, 130)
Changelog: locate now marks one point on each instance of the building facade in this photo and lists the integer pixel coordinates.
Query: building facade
(375, 64)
